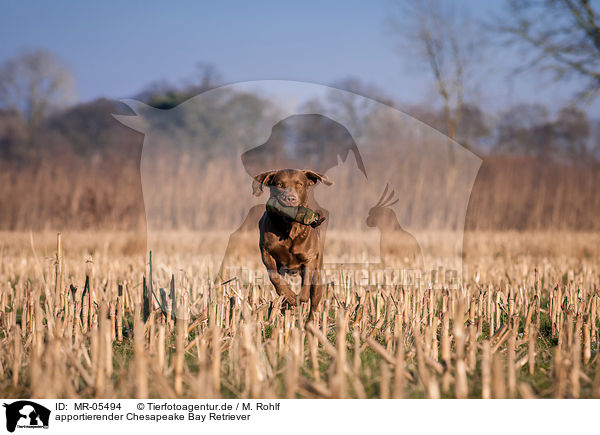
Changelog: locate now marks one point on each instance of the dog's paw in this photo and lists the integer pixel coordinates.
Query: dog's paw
(289, 302)
(303, 298)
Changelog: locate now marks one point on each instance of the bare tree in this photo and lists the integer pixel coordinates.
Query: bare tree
(440, 37)
(560, 36)
(32, 84)
(208, 74)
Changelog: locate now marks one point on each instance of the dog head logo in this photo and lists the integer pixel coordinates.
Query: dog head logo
(26, 414)
(216, 143)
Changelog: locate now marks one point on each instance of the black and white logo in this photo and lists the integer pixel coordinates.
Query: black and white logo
(25, 414)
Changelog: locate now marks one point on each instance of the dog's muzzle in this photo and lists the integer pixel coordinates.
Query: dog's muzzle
(287, 198)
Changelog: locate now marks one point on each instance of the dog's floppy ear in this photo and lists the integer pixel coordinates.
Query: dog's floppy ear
(260, 181)
(315, 177)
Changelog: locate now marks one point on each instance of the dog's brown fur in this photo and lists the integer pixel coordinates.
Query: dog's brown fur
(287, 246)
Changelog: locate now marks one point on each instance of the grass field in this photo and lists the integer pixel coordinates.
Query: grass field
(524, 323)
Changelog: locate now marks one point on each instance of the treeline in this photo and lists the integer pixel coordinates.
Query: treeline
(89, 129)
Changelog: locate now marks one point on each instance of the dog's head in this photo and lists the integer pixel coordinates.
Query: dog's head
(289, 186)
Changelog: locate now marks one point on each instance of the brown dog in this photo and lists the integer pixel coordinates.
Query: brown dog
(287, 246)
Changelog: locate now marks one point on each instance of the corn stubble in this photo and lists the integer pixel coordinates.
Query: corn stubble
(75, 323)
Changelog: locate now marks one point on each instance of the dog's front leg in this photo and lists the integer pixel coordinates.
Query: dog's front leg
(281, 287)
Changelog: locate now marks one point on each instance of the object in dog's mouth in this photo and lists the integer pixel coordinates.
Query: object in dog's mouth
(300, 214)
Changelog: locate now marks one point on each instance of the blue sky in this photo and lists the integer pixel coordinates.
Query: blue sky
(115, 49)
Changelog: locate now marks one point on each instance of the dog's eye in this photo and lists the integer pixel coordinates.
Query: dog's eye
(299, 185)
(280, 184)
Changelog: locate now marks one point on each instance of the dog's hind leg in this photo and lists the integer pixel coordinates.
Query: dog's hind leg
(316, 292)
(306, 283)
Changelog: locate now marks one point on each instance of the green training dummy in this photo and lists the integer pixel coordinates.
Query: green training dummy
(299, 214)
